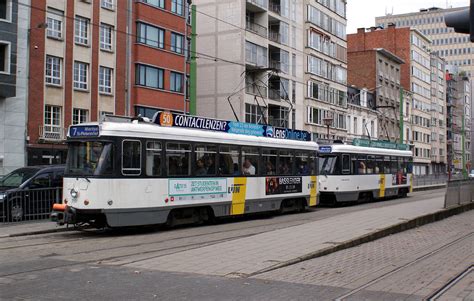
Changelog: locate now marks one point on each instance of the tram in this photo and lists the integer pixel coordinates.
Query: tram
(351, 173)
(183, 169)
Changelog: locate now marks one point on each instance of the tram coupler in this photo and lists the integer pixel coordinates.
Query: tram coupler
(58, 214)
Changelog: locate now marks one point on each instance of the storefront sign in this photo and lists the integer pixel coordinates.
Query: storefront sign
(379, 144)
(283, 185)
(183, 187)
(83, 131)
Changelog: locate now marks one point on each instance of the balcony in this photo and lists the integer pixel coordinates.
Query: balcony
(257, 5)
(52, 133)
(274, 36)
(275, 7)
(256, 28)
(254, 89)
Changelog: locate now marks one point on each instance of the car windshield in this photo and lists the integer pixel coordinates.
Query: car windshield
(328, 165)
(89, 158)
(18, 177)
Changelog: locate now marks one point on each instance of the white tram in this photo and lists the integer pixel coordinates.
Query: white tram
(139, 173)
(353, 173)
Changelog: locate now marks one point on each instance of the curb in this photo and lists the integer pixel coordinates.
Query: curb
(429, 187)
(37, 232)
(403, 226)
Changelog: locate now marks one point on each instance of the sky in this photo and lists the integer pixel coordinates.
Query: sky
(362, 13)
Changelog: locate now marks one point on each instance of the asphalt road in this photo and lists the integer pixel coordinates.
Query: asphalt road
(95, 265)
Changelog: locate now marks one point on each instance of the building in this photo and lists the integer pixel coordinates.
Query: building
(415, 76)
(438, 115)
(379, 70)
(102, 57)
(326, 69)
(249, 52)
(14, 15)
(458, 120)
(362, 117)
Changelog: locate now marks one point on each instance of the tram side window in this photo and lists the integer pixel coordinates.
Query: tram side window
(355, 165)
(371, 165)
(303, 163)
(206, 158)
(178, 159)
(285, 162)
(379, 165)
(313, 164)
(269, 161)
(394, 165)
(346, 164)
(362, 165)
(410, 165)
(153, 158)
(250, 157)
(229, 161)
(386, 164)
(131, 157)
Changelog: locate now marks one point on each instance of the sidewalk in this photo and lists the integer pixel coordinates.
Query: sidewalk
(264, 252)
(30, 228)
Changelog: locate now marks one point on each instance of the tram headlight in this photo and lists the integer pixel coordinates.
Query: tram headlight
(74, 193)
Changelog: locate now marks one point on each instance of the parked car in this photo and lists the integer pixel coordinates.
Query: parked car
(471, 174)
(30, 192)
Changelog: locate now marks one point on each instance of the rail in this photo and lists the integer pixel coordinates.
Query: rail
(256, 28)
(28, 205)
(428, 180)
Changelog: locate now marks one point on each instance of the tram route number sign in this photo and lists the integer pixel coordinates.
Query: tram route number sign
(283, 185)
(83, 131)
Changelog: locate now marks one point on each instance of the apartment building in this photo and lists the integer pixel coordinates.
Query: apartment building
(250, 59)
(95, 57)
(415, 76)
(379, 70)
(438, 115)
(14, 15)
(362, 117)
(326, 69)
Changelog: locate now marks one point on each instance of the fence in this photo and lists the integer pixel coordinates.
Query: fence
(27, 205)
(429, 180)
(459, 192)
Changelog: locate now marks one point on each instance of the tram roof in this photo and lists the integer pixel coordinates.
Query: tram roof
(351, 149)
(137, 129)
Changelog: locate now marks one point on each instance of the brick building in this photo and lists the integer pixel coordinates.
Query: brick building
(95, 57)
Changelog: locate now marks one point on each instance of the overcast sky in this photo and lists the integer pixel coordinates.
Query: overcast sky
(362, 13)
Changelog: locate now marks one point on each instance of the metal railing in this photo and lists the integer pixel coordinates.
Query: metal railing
(52, 133)
(28, 205)
(256, 90)
(274, 36)
(256, 28)
(426, 180)
(276, 8)
(459, 192)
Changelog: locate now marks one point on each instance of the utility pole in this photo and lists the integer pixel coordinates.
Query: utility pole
(401, 115)
(464, 173)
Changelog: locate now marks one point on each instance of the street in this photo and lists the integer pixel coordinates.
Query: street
(185, 263)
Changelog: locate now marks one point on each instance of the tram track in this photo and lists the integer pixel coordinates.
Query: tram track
(410, 264)
(442, 291)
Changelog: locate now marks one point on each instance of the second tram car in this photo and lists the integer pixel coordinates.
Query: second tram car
(138, 173)
(354, 173)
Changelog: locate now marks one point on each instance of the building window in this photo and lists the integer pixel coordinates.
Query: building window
(80, 116)
(82, 31)
(254, 114)
(53, 70)
(5, 10)
(176, 82)
(52, 119)
(105, 80)
(177, 7)
(4, 57)
(106, 37)
(150, 35)
(54, 24)
(177, 42)
(80, 75)
(107, 4)
(157, 3)
(148, 76)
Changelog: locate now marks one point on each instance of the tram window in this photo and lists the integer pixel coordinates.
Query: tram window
(362, 165)
(379, 165)
(371, 165)
(410, 165)
(206, 158)
(250, 156)
(229, 161)
(269, 161)
(330, 165)
(131, 157)
(303, 163)
(386, 164)
(346, 164)
(394, 165)
(178, 159)
(355, 165)
(153, 158)
(285, 163)
(313, 164)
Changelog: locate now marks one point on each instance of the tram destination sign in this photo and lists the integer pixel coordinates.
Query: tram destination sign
(232, 127)
(82, 131)
(379, 144)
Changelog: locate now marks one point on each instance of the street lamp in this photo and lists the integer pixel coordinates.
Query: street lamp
(328, 122)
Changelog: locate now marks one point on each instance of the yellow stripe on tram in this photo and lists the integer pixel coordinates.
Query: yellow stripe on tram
(411, 183)
(238, 196)
(382, 186)
(313, 191)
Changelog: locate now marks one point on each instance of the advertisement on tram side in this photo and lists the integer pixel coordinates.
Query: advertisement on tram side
(283, 185)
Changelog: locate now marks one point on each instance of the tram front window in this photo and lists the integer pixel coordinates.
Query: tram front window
(89, 159)
(329, 165)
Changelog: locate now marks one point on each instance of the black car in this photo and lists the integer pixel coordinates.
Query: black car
(29, 193)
